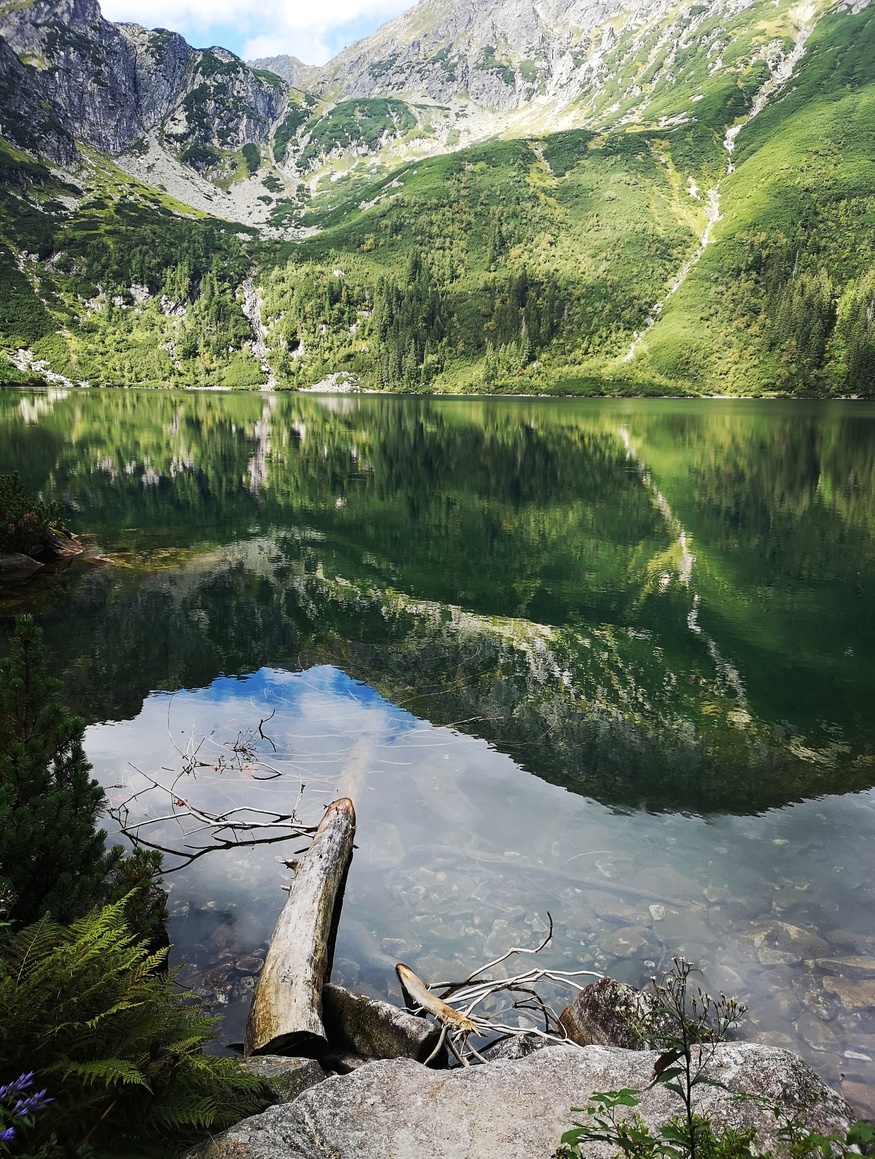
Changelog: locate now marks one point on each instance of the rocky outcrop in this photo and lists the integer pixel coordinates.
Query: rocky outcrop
(26, 116)
(223, 103)
(518, 1109)
(293, 71)
(497, 56)
(109, 84)
(162, 61)
(86, 68)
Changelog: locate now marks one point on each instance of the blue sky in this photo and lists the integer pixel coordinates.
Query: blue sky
(314, 32)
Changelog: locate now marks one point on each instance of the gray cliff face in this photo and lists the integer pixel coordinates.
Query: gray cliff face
(162, 61)
(223, 103)
(86, 68)
(109, 84)
(24, 118)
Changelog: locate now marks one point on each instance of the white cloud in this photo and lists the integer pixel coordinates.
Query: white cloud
(312, 31)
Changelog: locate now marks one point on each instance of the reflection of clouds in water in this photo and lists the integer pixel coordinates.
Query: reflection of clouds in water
(460, 853)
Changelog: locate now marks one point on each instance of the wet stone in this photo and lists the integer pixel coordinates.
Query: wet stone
(816, 1033)
(682, 927)
(249, 964)
(842, 939)
(861, 1096)
(778, 1038)
(716, 893)
(747, 907)
(432, 969)
(853, 993)
(857, 963)
(612, 909)
(626, 942)
(346, 969)
(781, 943)
(785, 1003)
(815, 1002)
(499, 940)
(387, 849)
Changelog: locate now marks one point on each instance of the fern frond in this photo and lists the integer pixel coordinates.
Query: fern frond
(113, 1039)
(112, 1011)
(109, 1072)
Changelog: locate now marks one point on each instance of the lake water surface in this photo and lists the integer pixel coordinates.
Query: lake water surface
(610, 661)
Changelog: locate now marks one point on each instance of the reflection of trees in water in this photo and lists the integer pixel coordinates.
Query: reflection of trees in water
(518, 513)
(604, 712)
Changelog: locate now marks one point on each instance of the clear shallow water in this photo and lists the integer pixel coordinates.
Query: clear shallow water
(461, 854)
(607, 660)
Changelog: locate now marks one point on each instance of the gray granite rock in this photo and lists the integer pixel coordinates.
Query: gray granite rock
(604, 1013)
(284, 1077)
(398, 1109)
(373, 1029)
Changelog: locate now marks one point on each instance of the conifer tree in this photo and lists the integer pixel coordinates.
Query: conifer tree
(53, 858)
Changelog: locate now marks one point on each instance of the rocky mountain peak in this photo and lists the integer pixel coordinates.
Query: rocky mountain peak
(495, 55)
(110, 84)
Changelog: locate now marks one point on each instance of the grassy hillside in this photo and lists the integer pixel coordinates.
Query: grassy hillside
(785, 299)
(495, 267)
(112, 283)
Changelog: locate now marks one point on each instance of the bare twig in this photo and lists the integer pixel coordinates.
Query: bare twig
(203, 831)
(455, 1008)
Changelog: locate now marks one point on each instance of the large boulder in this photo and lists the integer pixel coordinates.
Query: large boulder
(398, 1109)
(15, 565)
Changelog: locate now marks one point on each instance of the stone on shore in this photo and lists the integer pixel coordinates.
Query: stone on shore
(398, 1109)
(15, 565)
(373, 1029)
(605, 1013)
(284, 1077)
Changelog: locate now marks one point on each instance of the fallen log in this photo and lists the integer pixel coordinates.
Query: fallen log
(286, 1012)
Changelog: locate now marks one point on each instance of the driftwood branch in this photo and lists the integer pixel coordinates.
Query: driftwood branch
(286, 1012)
(455, 1011)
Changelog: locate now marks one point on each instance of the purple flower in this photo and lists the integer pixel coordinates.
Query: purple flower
(6, 1135)
(15, 1088)
(30, 1105)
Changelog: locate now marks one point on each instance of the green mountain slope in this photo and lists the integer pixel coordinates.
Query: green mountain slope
(710, 230)
(785, 298)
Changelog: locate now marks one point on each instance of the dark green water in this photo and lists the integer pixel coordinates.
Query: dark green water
(607, 659)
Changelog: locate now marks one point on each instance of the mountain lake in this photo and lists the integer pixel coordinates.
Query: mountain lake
(609, 661)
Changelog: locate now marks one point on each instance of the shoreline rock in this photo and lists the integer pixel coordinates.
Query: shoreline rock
(518, 1109)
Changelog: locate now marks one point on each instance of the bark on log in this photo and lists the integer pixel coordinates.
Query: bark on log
(286, 1012)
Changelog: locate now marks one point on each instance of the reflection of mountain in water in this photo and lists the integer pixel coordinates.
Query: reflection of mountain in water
(509, 566)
